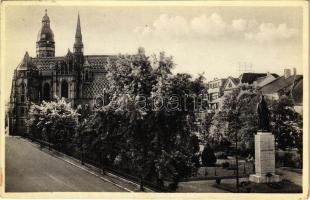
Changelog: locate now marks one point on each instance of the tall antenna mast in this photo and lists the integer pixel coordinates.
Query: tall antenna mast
(244, 67)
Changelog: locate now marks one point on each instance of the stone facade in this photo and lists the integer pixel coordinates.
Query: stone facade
(264, 159)
(77, 77)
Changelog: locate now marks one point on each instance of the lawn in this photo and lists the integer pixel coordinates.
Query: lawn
(205, 173)
(285, 186)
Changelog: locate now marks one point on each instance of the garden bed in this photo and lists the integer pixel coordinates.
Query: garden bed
(284, 186)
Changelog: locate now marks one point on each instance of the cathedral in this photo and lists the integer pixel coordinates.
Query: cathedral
(77, 77)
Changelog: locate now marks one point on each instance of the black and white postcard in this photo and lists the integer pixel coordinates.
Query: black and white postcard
(154, 100)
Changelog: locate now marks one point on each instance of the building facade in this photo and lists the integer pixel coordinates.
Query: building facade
(77, 77)
(218, 88)
(215, 92)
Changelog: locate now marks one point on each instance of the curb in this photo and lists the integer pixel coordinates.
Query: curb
(87, 167)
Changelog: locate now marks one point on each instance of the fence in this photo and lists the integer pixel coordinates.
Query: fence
(99, 165)
(219, 172)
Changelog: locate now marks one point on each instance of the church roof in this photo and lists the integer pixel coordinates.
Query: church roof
(95, 62)
(45, 63)
(99, 61)
(94, 88)
(26, 63)
(78, 34)
(45, 17)
(45, 33)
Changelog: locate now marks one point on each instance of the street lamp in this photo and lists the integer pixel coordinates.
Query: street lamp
(82, 148)
(101, 152)
(236, 146)
(237, 113)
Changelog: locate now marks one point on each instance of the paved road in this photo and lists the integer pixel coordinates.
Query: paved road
(289, 175)
(205, 185)
(29, 169)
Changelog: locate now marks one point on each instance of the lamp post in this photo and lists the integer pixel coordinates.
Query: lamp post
(237, 109)
(237, 159)
(82, 149)
(101, 154)
(237, 113)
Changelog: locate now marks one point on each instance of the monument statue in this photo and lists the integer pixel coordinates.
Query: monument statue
(265, 167)
(263, 115)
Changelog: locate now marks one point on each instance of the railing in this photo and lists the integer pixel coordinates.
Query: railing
(99, 165)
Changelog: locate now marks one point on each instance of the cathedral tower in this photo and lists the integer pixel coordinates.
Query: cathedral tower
(45, 40)
(78, 53)
(78, 44)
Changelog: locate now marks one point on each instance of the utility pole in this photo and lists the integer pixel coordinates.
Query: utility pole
(82, 149)
(236, 145)
(237, 161)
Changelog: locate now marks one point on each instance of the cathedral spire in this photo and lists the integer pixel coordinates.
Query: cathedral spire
(78, 44)
(45, 40)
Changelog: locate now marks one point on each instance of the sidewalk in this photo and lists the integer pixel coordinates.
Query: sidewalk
(205, 186)
(107, 176)
(290, 175)
(208, 185)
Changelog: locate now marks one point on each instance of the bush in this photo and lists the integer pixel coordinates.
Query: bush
(225, 165)
(276, 185)
(195, 160)
(288, 159)
(173, 186)
(244, 183)
(208, 157)
(221, 155)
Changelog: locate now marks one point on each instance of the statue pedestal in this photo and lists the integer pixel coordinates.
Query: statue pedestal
(264, 159)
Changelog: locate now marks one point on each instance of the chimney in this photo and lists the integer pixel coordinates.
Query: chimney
(141, 51)
(294, 71)
(287, 73)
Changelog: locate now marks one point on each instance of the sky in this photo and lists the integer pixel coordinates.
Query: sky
(204, 39)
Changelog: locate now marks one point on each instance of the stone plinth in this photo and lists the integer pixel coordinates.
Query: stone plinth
(264, 159)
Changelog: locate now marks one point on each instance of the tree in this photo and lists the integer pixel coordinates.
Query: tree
(173, 127)
(56, 121)
(208, 157)
(205, 129)
(286, 124)
(152, 131)
(237, 115)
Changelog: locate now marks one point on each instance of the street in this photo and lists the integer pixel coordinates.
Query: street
(28, 169)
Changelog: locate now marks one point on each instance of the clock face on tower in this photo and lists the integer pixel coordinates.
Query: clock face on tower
(43, 36)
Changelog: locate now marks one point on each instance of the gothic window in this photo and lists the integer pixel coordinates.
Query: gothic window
(229, 85)
(22, 98)
(21, 122)
(86, 75)
(62, 71)
(46, 92)
(70, 68)
(22, 91)
(64, 89)
(22, 88)
(22, 110)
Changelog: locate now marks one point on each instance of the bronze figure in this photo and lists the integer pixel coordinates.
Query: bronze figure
(263, 115)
